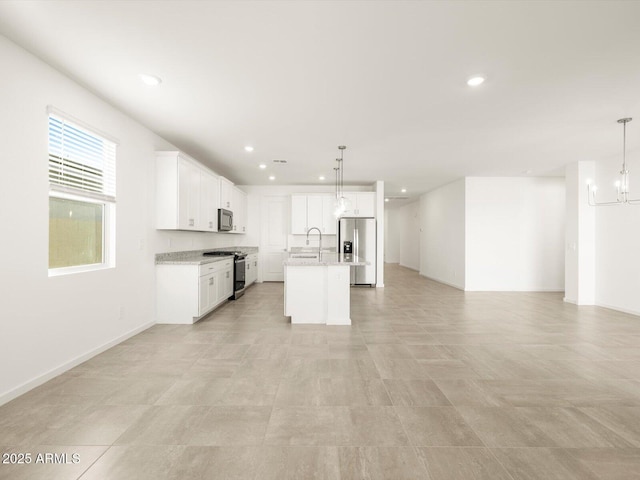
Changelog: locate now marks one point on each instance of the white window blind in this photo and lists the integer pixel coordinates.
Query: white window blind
(81, 161)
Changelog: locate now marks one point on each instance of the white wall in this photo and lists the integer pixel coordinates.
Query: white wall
(580, 231)
(409, 231)
(380, 229)
(618, 241)
(515, 234)
(442, 236)
(391, 235)
(51, 324)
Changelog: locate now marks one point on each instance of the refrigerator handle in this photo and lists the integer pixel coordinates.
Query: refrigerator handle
(357, 239)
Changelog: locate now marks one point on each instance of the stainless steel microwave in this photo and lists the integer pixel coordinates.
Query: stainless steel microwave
(225, 220)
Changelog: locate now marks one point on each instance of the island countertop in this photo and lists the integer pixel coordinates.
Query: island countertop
(326, 259)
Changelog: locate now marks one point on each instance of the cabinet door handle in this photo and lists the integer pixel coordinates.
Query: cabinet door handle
(211, 281)
(210, 224)
(227, 274)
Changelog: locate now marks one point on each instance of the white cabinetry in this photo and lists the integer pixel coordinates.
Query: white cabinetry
(186, 194)
(226, 194)
(312, 211)
(239, 204)
(210, 198)
(329, 221)
(224, 277)
(185, 293)
(298, 214)
(251, 269)
(360, 204)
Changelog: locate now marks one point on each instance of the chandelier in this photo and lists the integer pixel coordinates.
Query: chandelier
(341, 203)
(622, 185)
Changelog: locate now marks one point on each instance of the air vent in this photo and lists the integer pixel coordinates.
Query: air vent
(397, 197)
(280, 162)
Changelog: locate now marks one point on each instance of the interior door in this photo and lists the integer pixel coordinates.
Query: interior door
(275, 230)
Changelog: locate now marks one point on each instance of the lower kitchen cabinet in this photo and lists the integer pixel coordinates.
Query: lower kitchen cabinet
(251, 269)
(187, 292)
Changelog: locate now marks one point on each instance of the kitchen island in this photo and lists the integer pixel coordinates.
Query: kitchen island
(317, 290)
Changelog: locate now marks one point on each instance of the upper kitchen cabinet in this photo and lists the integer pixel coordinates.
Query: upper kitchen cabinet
(239, 204)
(329, 220)
(313, 210)
(210, 201)
(226, 194)
(360, 204)
(186, 194)
(298, 214)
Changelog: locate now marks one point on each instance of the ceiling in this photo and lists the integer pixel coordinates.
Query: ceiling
(388, 79)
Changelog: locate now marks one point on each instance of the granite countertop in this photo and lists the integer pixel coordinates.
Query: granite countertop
(196, 257)
(327, 259)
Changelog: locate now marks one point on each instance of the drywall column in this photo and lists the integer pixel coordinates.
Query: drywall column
(579, 236)
(379, 189)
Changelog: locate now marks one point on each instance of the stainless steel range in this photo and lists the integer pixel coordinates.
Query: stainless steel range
(239, 260)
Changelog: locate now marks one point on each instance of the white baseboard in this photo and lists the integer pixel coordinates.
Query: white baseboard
(410, 268)
(528, 290)
(618, 309)
(603, 305)
(459, 287)
(35, 382)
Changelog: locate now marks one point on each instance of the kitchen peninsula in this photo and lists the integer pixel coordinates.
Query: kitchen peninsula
(317, 291)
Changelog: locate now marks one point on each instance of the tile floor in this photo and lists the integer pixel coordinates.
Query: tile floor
(428, 383)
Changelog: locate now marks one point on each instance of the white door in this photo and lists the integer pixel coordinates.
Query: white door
(275, 229)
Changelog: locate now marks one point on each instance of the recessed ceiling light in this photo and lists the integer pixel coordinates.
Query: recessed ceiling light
(272, 177)
(150, 80)
(321, 177)
(404, 190)
(249, 148)
(386, 199)
(475, 81)
(262, 166)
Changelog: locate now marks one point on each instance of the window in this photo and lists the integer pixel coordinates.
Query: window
(82, 198)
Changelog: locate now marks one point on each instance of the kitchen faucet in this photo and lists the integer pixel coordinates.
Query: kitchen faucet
(319, 243)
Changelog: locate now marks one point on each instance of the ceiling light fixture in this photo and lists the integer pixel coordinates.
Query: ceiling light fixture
(272, 177)
(386, 199)
(341, 202)
(475, 81)
(622, 185)
(248, 148)
(150, 80)
(404, 190)
(262, 166)
(321, 177)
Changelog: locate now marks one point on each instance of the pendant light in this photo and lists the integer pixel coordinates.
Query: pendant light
(622, 185)
(340, 202)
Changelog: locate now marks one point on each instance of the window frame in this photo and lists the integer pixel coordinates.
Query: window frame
(67, 193)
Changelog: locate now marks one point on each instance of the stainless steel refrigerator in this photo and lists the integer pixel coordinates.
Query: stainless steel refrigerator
(361, 232)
